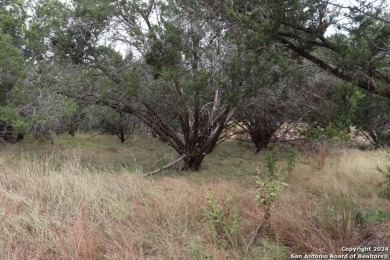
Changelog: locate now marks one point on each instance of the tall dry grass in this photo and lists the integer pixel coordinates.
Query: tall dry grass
(54, 208)
(333, 205)
(54, 205)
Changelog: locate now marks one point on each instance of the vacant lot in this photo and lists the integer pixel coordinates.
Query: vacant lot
(86, 198)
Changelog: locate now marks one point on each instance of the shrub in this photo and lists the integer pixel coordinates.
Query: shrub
(224, 222)
(269, 188)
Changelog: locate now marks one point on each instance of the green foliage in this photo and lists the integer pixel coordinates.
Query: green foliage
(165, 53)
(291, 158)
(12, 20)
(382, 216)
(189, 71)
(315, 131)
(373, 117)
(9, 115)
(385, 189)
(19, 125)
(74, 29)
(268, 191)
(11, 66)
(223, 221)
(275, 167)
(11, 58)
(271, 250)
(336, 114)
(271, 163)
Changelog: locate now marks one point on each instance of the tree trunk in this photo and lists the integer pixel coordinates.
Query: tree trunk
(121, 133)
(374, 138)
(261, 129)
(194, 162)
(122, 138)
(72, 131)
(261, 139)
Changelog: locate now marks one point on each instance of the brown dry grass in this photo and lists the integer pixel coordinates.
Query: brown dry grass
(329, 206)
(54, 204)
(67, 212)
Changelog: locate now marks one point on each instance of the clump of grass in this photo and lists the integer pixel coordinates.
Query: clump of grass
(381, 216)
(311, 220)
(271, 249)
(81, 240)
(351, 171)
(317, 151)
(385, 186)
(308, 225)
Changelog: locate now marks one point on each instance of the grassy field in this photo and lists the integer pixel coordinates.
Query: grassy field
(85, 198)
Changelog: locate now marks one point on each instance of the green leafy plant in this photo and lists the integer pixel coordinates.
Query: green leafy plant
(291, 158)
(267, 193)
(268, 189)
(272, 164)
(271, 249)
(224, 222)
(382, 216)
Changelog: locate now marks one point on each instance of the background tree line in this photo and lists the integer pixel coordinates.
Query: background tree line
(190, 71)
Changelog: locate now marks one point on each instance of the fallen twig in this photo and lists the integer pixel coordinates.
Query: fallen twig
(94, 135)
(166, 166)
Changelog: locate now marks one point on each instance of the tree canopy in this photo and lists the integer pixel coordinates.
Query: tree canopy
(190, 69)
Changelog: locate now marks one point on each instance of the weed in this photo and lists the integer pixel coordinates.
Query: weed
(271, 250)
(81, 241)
(272, 164)
(291, 158)
(308, 225)
(223, 221)
(341, 218)
(267, 191)
(382, 216)
(321, 152)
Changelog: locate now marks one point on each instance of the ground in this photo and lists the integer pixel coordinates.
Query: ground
(86, 198)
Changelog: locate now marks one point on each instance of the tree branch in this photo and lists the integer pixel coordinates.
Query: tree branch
(366, 84)
(166, 166)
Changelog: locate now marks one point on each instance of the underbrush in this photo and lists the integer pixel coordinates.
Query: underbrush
(61, 202)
